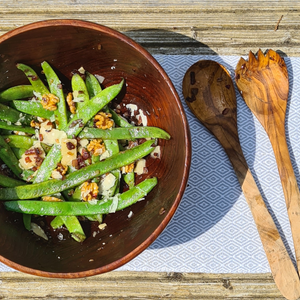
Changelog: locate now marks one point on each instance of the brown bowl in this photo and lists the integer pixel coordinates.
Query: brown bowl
(68, 45)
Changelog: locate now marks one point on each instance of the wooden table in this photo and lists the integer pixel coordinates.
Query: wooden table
(163, 27)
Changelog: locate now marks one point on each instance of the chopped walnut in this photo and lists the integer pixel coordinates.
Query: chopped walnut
(89, 191)
(128, 168)
(35, 124)
(96, 147)
(59, 172)
(49, 101)
(71, 103)
(51, 199)
(102, 120)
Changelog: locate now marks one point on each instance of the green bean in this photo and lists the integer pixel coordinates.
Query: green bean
(82, 208)
(36, 82)
(16, 92)
(78, 177)
(50, 162)
(56, 89)
(18, 152)
(90, 108)
(129, 179)
(119, 121)
(34, 108)
(74, 227)
(78, 85)
(19, 141)
(10, 182)
(82, 115)
(124, 133)
(12, 115)
(5, 125)
(27, 221)
(92, 84)
(27, 175)
(57, 222)
(9, 158)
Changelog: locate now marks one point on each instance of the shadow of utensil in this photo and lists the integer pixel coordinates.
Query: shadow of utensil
(213, 187)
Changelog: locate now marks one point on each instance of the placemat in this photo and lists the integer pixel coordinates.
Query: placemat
(213, 231)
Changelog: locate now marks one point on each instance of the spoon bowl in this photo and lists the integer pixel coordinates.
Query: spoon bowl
(209, 93)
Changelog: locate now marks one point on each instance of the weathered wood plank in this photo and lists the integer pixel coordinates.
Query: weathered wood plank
(141, 285)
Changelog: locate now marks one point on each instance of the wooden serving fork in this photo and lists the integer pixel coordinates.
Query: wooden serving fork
(264, 85)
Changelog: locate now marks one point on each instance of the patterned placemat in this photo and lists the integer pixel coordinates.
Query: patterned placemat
(212, 230)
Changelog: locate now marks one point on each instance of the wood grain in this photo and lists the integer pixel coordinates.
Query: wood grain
(163, 27)
(176, 27)
(263, 83)
(141, 285)
(209, 93)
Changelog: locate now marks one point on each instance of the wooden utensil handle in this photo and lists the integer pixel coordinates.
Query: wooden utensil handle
(283, 270)
(289, 186)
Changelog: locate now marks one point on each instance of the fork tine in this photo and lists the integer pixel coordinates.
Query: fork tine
(252, 60)
(263, 60)
(240, 65)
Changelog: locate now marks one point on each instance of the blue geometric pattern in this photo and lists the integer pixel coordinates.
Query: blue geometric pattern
(213, 231)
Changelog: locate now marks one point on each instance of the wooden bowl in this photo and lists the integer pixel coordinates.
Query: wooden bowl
(68, 45)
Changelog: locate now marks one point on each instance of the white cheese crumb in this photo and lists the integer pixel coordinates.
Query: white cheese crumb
(102, 226)
(106, 183)
(26, 165)
(81, 70)
(105, 155)
(130, 214)
(60, 236)
(143, 117)
(56, 175)
(156, 152)
(132, 108)
(99, 78)
(140, 167)
(51, 136)
(84, 142)
(39, 231)
(68, 155)
(94, 233)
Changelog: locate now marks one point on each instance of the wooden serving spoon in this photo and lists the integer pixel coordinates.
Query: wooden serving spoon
(264, 85)
(209, 93)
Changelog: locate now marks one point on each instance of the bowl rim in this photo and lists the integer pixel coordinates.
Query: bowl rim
(187, 160)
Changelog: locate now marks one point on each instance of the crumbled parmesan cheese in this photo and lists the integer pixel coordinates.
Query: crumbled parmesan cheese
(100, 78)
(102, 226)
(38, 231)
(106, 183)
(140, 167)
(68, 151)
(105, 155)
(84, 142)
(50, 135)
(26, 161)
(156, 152)
(132, 108)
(143, 117)
(81, 70)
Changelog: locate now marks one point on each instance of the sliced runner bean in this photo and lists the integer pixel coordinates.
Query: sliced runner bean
(56, 89)
(37, 84)
(124, 133)
(8, 126)
(17, 92)
(9, 158)
(83, 208)
(34, 108)
(76, 178)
